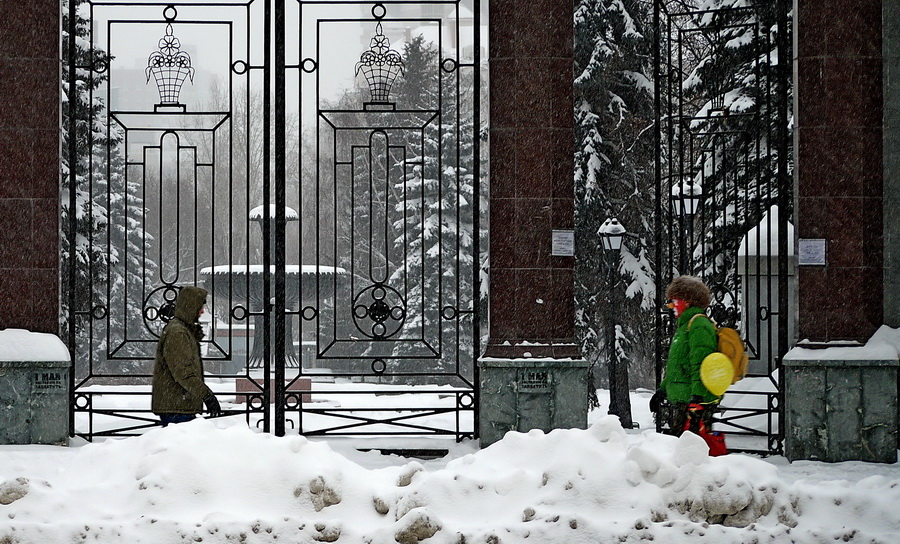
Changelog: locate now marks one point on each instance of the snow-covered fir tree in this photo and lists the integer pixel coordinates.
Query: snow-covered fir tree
(89, 216)
(105, 210)
(614, 178)
(729, 83)
(429, 211)
(437, 209)
(720, 96)
(131, 264)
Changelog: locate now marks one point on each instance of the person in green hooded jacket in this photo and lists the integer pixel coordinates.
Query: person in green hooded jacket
(179, 392)
(694, 339)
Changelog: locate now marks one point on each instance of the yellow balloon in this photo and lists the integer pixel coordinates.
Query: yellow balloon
(717, 373)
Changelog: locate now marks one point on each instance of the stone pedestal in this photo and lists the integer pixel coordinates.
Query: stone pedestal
(839, 408)
(34, 402)
(521, 395)
(250, 387)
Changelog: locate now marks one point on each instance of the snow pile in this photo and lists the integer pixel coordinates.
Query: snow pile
(593, 486)
(23, 345)
(884, 345)
(220, 482)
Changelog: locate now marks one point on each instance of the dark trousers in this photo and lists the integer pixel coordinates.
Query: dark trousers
(166, 419)
(679, 414)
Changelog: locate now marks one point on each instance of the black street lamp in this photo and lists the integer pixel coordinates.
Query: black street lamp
(686, 199)
(612, 233)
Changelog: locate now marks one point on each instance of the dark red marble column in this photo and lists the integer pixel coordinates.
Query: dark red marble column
(839, 173)
(29, 165)
(531, 292)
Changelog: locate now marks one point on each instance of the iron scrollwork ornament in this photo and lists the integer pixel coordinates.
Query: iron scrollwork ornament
(169, 66)
(381, 65)
(379, 311)
(159, 308)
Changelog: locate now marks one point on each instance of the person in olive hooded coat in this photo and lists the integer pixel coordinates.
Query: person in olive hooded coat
(178, 389)
(694, 339)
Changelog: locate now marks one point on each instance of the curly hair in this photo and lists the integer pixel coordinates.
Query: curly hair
(689, 289)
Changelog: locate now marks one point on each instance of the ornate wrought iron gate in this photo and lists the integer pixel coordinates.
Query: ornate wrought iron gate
(724, 197)
(315, 166)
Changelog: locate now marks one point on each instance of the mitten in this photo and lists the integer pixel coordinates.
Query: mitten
(656, 400)
(212, 405)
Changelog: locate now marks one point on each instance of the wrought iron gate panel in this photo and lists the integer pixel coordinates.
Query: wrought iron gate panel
(724, 190)
(224, 157)
(395, 180)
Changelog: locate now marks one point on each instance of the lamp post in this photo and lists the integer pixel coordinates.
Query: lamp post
(612, 233)
(686, 199)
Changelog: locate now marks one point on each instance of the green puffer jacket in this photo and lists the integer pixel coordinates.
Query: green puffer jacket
(689, 348)
(178, 386)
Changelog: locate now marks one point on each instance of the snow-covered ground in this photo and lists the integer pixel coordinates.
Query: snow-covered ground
(217, 481)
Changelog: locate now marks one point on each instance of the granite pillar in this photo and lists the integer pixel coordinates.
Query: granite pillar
(890, 46)
(29, 165)
(532, 194)
(847, 174)
(838, 166)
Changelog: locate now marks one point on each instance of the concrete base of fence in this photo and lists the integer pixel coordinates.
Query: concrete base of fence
(521, 395)
(34, 402)
(840, 406)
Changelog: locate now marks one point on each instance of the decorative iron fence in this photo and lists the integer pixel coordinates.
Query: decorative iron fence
(314, 166)
(724, 190)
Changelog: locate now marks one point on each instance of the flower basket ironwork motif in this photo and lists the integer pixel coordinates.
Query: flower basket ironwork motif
(380, 65)
(170, 66)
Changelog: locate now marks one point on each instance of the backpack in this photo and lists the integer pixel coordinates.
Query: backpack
(731, 345)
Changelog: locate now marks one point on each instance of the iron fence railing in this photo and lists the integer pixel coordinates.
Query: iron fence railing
(724, 191)
(315, 166)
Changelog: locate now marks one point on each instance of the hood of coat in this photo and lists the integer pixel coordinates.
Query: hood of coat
(187, 305)
(689, 289)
